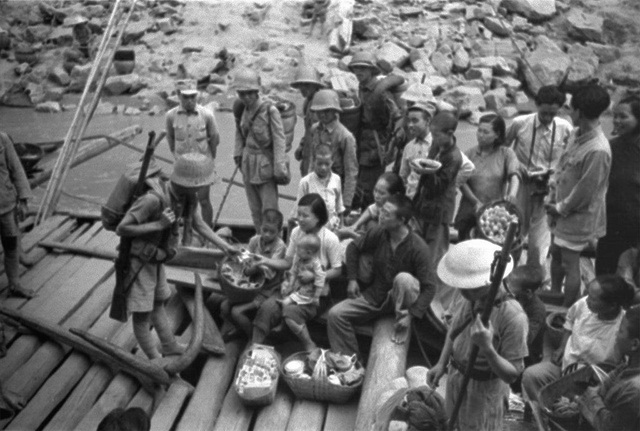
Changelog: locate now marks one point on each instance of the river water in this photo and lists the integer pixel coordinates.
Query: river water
(91, 182)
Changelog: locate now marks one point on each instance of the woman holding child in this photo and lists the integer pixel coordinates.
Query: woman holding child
(496, 175)
(312, 217)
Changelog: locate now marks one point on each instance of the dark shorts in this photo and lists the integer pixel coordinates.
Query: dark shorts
(271, 313)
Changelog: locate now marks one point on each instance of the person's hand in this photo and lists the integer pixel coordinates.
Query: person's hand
(400, 329)
(435, 374)
(22, 209)
(167, 218)
(306, 277)
(477, 206)
(353, 289)
(511, 198)
(482, 335)
(298, 154)
(552, 210)
(589, 403)
(238, 160)
(556, 356)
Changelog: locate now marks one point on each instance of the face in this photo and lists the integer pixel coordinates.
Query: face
(307, 90)
(326, 116)
(363, 73)
(417, 125)
(547, 112)
(304, 252)
(515, 287)
(188, 101)
(486, 135)
(381, 193)
(594, 299)
(307, 220)
(389, 216)
(474, 294)
(624, 123)
(269, 232)
(249, 98)
(322, 165)
(440, 137)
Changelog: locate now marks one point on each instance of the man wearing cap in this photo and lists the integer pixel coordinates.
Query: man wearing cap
(260, 146)
(503, 344)
(191, 128)
(380, 117)
(418, 117)
(403, 280)
(308, 83)
(330, 131)
(153, 223)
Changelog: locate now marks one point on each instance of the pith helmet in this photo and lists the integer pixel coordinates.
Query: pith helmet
(326, 99)
(70, 21)
(246, 80)
(364, 59)
(306, 75)
(193, 170)
(187, 87)
(418, 93)
(467, 265)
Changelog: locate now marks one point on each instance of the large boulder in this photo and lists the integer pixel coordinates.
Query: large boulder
(121, 84)
(499, 65)
(534, 10)
(79, 75)
(37, 33)
(625, 71)
(460, 59)
(497, 25)
(584, 65)
(496, 99)
(59, 76)
(392, 54)
(584, 26)
(549, 65)
(51, 107)
(605, 53)
(465, 98)
(442, 63)
(61, 36)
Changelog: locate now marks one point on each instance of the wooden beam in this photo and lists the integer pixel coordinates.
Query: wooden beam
(276, 415)
(170, 406)
(387, 361)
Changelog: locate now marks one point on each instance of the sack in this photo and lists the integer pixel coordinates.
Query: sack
(121, 197)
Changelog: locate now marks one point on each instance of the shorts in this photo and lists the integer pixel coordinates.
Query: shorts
(299, 313)
(149, 286)
(571, 245)
(9, 224)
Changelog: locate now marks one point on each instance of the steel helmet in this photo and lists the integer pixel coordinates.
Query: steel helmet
(324, 100)
(364, 59)
(246, 80)
(418, 93)
(306, 75)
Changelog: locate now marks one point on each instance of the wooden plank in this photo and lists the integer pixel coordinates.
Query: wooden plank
(341, 416)
(307, 416)
(42, 231)
(118, 394)
(387, 361)
(142, 399)
(234, 416)
(183, 277)
(169, 407)
(276, 415)
(206, 402)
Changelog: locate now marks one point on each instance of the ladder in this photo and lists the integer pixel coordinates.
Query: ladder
(120, 15)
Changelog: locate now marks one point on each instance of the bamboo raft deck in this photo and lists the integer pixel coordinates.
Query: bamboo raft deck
(62, 389)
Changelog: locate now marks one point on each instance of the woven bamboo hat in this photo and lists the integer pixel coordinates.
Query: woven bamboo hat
(70, 21)
(467, 265)
(193, 170)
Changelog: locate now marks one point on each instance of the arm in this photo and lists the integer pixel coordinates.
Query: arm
(213, 137)
(319, 279)
(512, 188)
(512, 172)
(405, 169)
(350, 170)
(171, 135)
(136, 221)
(364, 218)
(16, 171)
(440, 368)
(594, 175)
(340, 208)
(626, 264)
(467, 193)
(507, 370)
(203, 229)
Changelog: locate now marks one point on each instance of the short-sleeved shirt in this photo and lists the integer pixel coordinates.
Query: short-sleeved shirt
(510, 329)
(192, 130)
(416, 148)
(330, 189)
(305, 293)
(592, 340)
(492, 173)
(274, 250)
(330, 249)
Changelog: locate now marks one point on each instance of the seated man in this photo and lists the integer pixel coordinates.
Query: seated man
(614, 404)
(403, 280)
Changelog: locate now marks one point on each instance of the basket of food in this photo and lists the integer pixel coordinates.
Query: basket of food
(257, 375)
(558, 400)
(493, 221)
(238, 283)
(322, 375)
(423, 165)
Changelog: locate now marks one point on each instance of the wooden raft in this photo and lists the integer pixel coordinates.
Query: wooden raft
(60, 388)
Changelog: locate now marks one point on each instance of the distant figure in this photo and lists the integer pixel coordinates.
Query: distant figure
(131, 419)
(191, 128)
(84, 42)
(14, 193)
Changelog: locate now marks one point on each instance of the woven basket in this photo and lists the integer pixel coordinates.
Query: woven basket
(555, 333)
(318, 390)
(235, 294)
(568, 386)
(258, 396)
(512, 209)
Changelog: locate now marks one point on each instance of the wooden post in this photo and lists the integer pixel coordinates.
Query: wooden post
(387, 361)
(207, 398)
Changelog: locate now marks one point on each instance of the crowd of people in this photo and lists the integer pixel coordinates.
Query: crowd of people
(575, 189)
